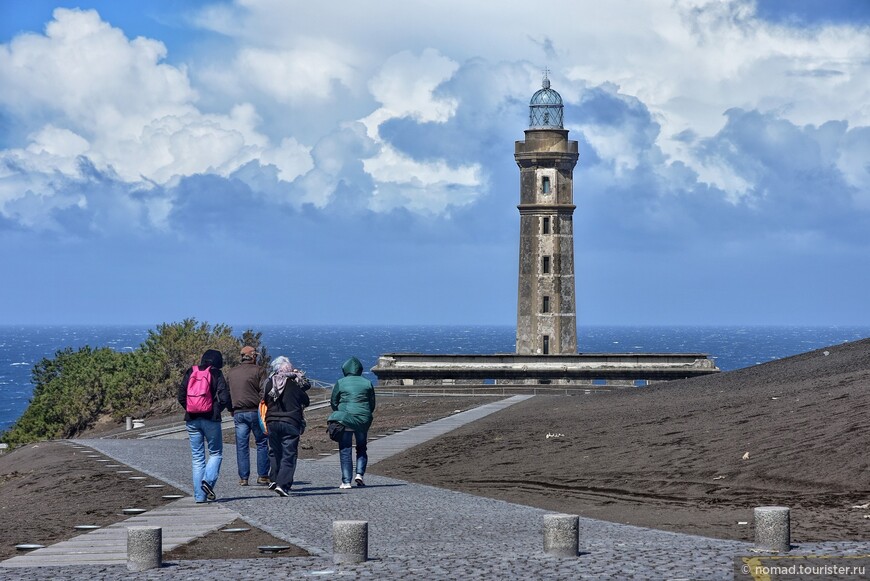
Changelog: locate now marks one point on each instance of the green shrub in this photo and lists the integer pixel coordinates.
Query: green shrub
(75, 388)
(173, 347)
(69, 393)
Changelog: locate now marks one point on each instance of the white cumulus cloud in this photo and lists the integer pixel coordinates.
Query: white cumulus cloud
(288, 83)
(405, 87)
(112, 100)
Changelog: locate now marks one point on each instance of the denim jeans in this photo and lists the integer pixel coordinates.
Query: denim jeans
(204, 432)
(345, 453)
(283, 452)
(246, 423)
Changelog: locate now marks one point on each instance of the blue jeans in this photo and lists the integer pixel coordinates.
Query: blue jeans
(345, 453)
(247, 422)
(202, 432)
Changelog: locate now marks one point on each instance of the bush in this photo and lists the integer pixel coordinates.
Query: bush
(75, 388)
(172, 348)
(69, 393)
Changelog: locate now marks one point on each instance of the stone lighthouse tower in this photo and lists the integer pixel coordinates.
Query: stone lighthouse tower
(546, 306)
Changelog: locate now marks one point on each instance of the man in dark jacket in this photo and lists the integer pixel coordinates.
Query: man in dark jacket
(244, 381)
(204, 427)
(285, 397)
(353, 399)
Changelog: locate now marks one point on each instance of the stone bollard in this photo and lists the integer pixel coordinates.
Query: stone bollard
(561, 535)
(773, 528)
(144, 548)
(129, 422)
(350, 541)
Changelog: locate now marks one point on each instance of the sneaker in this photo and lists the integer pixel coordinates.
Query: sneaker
(243, 481)
(280, 491)
(345, 485)
(263, 480)
(273, 485)
(358, 480)
(209, 491)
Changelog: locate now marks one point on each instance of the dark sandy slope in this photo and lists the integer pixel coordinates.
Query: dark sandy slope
(671, 455)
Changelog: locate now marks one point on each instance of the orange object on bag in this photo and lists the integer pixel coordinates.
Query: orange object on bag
(261, 417)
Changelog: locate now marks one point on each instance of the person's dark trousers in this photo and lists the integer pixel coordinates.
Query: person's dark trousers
(283, 449)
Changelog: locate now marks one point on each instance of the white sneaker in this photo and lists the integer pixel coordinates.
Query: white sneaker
(345, 485)
(358, 480)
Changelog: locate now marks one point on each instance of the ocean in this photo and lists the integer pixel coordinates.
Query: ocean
(320, 350)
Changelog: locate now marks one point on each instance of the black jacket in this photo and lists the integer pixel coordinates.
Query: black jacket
(222, 400)
(288, 407)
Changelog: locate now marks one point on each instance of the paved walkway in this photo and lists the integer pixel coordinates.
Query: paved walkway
(384, 447)
(182, 521)
(415, 531)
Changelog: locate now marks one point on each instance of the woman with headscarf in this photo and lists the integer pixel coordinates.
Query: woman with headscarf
(203, 393)
(285, 397)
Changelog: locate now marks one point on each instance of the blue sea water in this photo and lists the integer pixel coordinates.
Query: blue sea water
(320, 350)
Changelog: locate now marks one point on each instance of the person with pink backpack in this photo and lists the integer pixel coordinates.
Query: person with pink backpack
(203, 393)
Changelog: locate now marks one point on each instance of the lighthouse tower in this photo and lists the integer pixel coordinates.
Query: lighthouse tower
(546, 305)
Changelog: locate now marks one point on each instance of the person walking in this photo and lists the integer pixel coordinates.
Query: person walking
(244, 381)
(203, 393)
(285, 397)
(353, 402)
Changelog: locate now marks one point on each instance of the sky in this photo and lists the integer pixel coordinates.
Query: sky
(285, 162)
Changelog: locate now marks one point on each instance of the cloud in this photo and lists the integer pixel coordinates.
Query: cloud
(82, 202)
(699, 59)
(852, 160)
(795, 186)
(815, 73)
(338, 166)
(309, 138)
(618, 127)
(287, 76)
(406, 87)
(110, 100)
(699, 107)
(87, 72)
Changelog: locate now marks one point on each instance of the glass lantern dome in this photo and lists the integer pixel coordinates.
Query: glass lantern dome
(545, 108)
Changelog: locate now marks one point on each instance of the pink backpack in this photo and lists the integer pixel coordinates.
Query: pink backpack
(199, 399)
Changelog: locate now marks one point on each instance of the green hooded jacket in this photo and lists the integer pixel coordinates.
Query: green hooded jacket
(353, 397)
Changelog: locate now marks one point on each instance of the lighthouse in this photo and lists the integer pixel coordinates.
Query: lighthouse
(546, 304)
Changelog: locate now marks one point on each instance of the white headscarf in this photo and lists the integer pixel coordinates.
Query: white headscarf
(282, 369)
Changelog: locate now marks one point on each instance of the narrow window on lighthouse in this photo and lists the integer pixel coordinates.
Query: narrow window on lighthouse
(545, 184)
(545, 308)
(546, 226)
(546, 265)
(546, 344)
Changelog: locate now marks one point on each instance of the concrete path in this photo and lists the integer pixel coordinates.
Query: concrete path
(386, 446)
(182, 521)
(416, 531)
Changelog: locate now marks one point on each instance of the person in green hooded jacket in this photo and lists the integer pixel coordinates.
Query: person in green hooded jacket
(353, 402)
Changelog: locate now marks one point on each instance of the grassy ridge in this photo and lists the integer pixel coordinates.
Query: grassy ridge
(74, 388)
